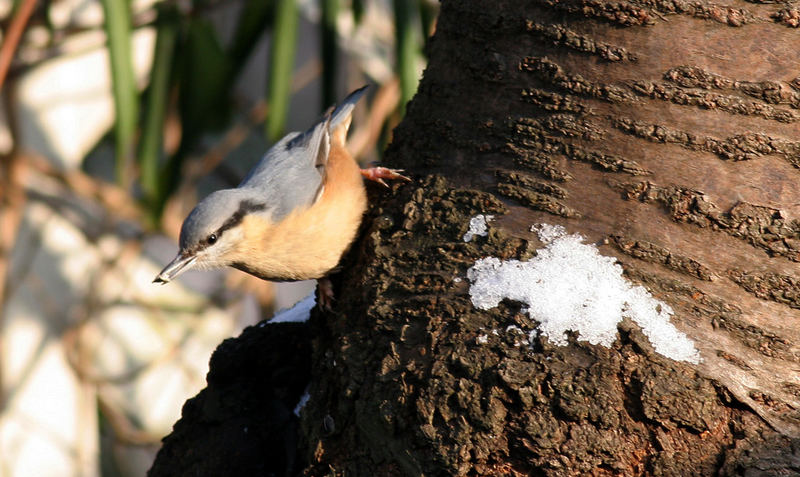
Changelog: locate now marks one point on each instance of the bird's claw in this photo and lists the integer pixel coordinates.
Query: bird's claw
(378, 174)
(326, 297)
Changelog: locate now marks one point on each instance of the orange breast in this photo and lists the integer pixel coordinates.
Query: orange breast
(308, 243)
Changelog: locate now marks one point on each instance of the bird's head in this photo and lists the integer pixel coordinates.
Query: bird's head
(211, 232)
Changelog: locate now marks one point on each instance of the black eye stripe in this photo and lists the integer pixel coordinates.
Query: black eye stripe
(245, 207)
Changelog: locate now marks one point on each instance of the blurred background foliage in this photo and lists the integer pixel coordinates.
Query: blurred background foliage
(194, 72)
(117, 115)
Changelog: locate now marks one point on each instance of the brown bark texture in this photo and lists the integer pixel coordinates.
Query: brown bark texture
(666, 132)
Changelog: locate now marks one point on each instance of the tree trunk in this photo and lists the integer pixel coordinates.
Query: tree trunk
(664, 132)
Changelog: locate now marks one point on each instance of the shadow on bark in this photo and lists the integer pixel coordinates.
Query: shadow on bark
(243, 423)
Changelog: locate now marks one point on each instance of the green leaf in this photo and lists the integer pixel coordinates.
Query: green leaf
(204, 83)
(207, 76)
(152, 139)
(358, 10)
(203, 98)
(407, 45)
(330, 10)
(281, 67)
(118, 31)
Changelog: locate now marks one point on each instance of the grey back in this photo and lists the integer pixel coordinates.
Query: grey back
(291, 174)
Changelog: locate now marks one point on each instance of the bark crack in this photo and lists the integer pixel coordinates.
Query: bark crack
(552, 73)
(650, 252)
(742, 147)
(763, 227)
(559, 34)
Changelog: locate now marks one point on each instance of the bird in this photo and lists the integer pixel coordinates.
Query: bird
(294, 214)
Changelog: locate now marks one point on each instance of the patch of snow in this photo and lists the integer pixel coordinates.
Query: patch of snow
(548, 233)
(482, 339)
(478, 227)
(299, 313)
(570, 286)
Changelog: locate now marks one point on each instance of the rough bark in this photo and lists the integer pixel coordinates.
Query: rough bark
(665, 132)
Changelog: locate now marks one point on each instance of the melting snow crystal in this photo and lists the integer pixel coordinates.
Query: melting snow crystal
(478, 227)
(570, 286)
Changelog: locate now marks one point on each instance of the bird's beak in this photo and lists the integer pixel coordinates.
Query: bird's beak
(180, 264)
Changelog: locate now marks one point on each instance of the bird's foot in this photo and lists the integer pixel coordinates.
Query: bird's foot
(378, 174)
(326, 297)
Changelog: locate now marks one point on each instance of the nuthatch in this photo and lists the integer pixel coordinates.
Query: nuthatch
(292, 217)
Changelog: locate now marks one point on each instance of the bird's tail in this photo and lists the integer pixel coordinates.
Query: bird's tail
(341, 116)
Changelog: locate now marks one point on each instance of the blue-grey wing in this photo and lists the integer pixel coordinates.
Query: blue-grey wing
(291, 174)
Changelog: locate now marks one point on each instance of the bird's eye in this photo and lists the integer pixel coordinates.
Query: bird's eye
(212, 239)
